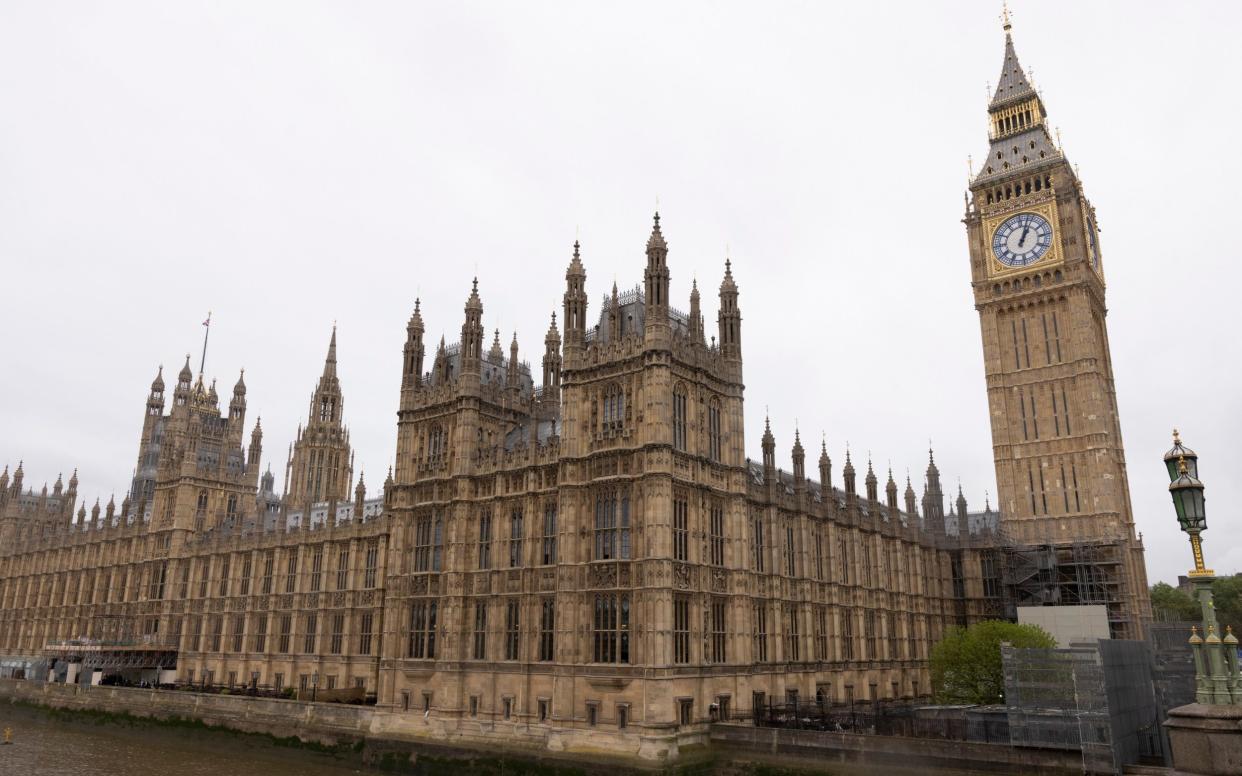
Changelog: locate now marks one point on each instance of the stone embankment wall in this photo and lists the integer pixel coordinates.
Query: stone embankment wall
(379, 737)
(323, 723)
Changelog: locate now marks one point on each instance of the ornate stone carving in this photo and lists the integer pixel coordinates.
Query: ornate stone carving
(602, 575)
(681, 576)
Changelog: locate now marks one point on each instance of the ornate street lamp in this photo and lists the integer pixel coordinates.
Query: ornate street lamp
(1216, 659)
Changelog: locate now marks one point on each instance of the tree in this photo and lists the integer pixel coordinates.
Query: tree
(966, 664)
(1227, 598)
(1170, 604)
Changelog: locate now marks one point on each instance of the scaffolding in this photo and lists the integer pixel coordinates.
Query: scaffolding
(1081, 572)
(1098, 700)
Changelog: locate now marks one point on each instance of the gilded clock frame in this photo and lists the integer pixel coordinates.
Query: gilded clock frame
(1046, 209)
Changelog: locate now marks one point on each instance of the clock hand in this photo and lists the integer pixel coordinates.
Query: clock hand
(1022, 239)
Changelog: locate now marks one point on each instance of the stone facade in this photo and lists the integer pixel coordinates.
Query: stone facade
(593, 556)
(589, 563)
(1038, 280)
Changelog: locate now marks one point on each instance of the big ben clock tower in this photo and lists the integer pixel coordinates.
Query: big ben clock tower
(1038, 279)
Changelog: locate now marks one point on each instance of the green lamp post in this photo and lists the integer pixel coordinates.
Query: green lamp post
(1216, 659)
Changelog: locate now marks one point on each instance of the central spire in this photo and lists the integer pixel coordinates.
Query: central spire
(329, 363)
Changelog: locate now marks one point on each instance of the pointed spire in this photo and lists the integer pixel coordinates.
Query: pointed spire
(1013, 82)
(240, 388)
(496, 354)
(329, 363)
(575, 264)
(656, 240)
(186, 374)
(474, 303)
(157, 385)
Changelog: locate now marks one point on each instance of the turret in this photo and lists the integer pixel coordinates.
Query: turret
(110, 512)
(871, 482)
(656, 277)
(58, 486)
(18, 476)
(360, 498)
(911, 504)
(514, 384)
(155, 399)
(181, 394)
(696, 316)
(575, 303)
(847, 474)
(552, 364)
(412, 374)
(237, 407)
(933, 497)
(769, 453)
(730, 317)
(890, 490)
(799, 464)
(255, 453)
(961, 506)
(472, 335)
(440, 368)
(825, 470)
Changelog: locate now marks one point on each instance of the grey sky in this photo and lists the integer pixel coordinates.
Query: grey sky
(287, 165)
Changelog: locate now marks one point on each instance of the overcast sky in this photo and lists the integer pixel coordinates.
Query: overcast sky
(285, 165)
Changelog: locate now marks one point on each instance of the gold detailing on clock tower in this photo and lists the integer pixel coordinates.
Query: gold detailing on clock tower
(1060, 463)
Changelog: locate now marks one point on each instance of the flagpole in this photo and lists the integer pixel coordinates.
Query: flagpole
(207, 325)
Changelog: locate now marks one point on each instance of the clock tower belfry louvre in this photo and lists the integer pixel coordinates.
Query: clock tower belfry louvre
(1038, 282)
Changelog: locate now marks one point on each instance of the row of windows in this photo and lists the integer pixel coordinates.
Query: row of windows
(127, 582)
(517, 533)
(211, 636)
(1029, 186)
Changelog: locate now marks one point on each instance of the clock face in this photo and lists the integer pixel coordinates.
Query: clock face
(1022, 240)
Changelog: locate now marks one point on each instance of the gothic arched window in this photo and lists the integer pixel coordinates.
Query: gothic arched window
(612, 525)
(714, 430)
(612, 629)
(679, 417)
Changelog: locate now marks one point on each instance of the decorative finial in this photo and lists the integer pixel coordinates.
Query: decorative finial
(1177, 438)
(1005, 22)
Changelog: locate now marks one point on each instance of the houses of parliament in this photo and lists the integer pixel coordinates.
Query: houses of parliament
(584, 557)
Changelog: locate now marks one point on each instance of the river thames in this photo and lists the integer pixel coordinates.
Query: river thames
(44, 745)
